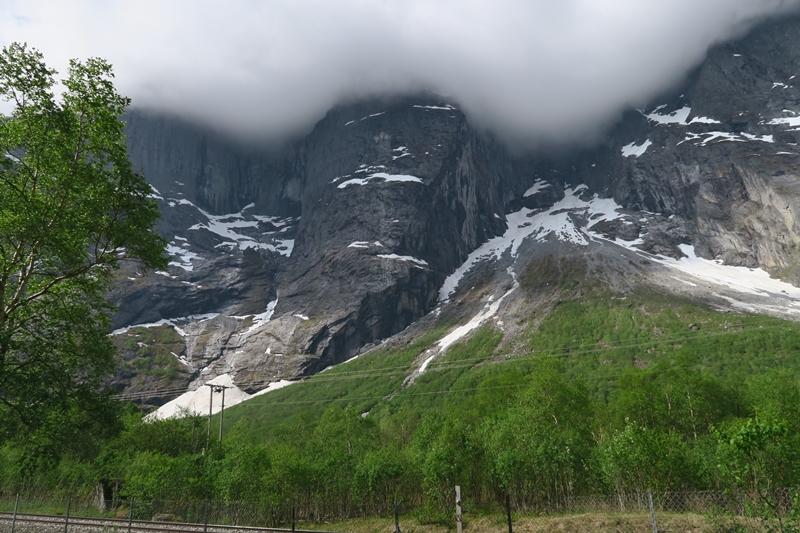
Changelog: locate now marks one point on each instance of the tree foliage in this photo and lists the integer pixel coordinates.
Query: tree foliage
(71, 207)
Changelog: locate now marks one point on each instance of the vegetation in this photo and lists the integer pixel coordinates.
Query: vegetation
(71, 208)
(600, 393)
(150, 351)
(616, 395)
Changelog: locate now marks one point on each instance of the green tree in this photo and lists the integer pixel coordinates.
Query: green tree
(71, 208)
(637, 458)
(760, 455)
(757, 455)
(539, 448)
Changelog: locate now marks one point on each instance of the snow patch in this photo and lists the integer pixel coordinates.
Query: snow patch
(275, 385)
(404, 258)
(742, 279)
(199, 400)
(174, 322)
(706, 138)
(403, 152)
(679, 116)
(278, 222)
(633, 150)
(369, 116)
(380, 175)
(489, 310)
(528, 223)
(184, 256)
(283, 247)
(263, 318)
(793, 122)
(225, 226)
(435, 107)
(537, 186)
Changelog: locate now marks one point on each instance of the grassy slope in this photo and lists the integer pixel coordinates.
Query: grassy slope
(362, 383)
(596, 336)
(151, 351)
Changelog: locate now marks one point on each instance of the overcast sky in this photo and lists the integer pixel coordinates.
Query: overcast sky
(528, 69)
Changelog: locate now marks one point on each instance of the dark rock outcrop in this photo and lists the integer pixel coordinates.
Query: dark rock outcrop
(305, 255)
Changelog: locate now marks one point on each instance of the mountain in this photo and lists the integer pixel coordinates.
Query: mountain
(396, 215)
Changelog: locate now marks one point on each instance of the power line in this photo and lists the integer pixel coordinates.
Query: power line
(446, 365)
(341, 375)
(451, 391)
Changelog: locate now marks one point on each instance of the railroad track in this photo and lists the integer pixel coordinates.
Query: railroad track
(76, 524)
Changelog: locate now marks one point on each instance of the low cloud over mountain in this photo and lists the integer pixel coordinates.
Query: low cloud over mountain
(531, 71)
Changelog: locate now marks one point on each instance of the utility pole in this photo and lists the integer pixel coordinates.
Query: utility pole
(210, 402)
(222, 413)
(212, 389)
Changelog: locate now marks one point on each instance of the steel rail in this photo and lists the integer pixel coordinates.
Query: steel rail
(143, 525)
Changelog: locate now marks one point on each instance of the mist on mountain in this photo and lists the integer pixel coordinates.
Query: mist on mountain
(528, 71)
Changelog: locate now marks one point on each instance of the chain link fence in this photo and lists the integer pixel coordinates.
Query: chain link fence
(696, 511)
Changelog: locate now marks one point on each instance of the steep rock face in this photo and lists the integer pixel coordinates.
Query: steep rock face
(186, 161)
(395, 197)
(342, 243)
(286, 263)
(713, 164)
(723, 155)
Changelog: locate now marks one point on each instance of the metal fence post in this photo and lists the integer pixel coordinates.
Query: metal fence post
(508, 513)
(66, 518)
(14, 519)
(458, 509)
(652, 510)
(205, 526)
(396, 517)
(130, 516)
(293, 515)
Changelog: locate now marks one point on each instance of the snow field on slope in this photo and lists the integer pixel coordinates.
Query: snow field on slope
(741, 279)
(263, 318)
(527, 223)
(407, 258)
(633, 150)
(537, 186)
(224, 226)
(556, 220)
(199, 400)
(403, 178)
(489, 310)
(169, 322)
(679, 116)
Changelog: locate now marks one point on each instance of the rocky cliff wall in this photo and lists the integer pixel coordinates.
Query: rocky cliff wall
(300, 259)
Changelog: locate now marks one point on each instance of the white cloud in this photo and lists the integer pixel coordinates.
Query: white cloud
(529, 69)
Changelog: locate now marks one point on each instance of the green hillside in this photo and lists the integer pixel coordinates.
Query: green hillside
(595, 339)
(586, 392)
